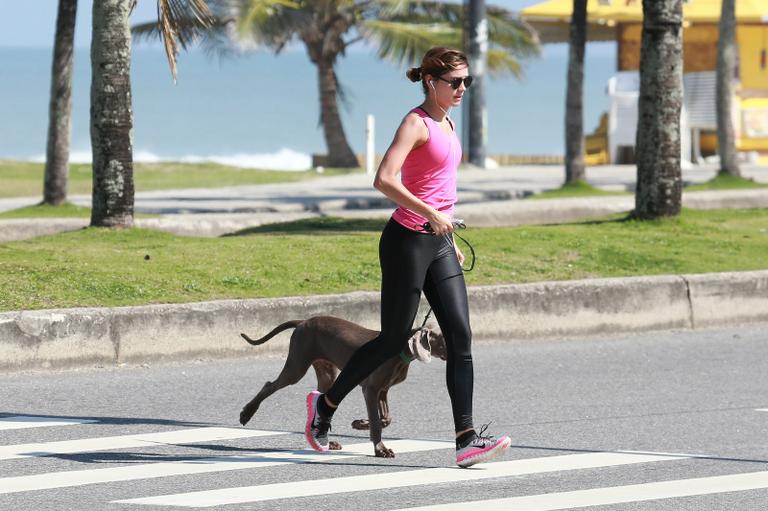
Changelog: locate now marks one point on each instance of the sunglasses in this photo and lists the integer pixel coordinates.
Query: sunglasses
(456, 82)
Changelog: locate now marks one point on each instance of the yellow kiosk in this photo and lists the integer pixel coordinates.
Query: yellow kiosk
(621, 21)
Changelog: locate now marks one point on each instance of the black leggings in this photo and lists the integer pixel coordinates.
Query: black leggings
(412, 262)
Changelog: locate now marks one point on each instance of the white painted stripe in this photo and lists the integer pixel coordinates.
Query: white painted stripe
(395, 480)
(175, 437)
(614, 495)
(201, 466)
(26, 421)
(761, 410)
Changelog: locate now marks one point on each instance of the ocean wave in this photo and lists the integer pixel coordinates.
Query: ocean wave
(284, 159)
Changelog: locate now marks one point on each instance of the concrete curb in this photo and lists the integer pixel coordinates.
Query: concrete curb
(77, 337)
(27, 228)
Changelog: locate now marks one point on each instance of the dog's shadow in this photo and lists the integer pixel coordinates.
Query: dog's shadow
(243, 455)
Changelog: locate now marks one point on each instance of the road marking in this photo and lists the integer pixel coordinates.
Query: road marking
(614, 495)
(396, 479)
(27, 421)
(202, 466)
(761, 410)
(175, 437)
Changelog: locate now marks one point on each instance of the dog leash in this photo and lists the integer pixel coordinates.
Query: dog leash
(458, 224)
(462, 225)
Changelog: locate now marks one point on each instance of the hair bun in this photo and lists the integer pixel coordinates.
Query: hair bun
(414, 74)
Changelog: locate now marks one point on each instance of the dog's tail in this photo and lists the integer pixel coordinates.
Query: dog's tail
(285, 326)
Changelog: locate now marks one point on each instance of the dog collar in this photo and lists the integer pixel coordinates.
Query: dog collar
(406, 358)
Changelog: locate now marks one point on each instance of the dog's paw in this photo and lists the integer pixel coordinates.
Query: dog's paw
(245, 416)
(333, 445)
(382, 451)
(361, 424)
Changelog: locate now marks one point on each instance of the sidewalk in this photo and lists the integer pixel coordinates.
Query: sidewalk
(332, 193)
(486, 198)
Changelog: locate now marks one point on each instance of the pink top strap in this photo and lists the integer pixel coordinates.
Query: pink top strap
(429, 172)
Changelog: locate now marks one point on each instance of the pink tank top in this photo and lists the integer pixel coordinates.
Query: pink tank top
(429, 173)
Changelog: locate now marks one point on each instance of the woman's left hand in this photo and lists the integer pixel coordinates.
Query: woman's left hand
(459, 255)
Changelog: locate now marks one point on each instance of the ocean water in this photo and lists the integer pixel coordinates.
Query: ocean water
(262, 110)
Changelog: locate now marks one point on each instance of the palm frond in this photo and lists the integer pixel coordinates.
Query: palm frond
(345, 96)
(216, 40)
(419, 11)
(180, 22)
(260, 12)
(405, 43)
(508, 31)
(385, 8)
(501, 62)
(268, 23)
(511, 40)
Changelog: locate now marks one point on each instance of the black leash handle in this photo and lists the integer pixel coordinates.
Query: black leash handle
(458, 223)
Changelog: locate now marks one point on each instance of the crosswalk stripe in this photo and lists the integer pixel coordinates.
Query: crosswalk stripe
(396, 479)
(179, 436)
(27, 421)
(614, 495)
(201, 465)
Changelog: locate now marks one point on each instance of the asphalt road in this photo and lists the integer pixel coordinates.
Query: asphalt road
(690, 401)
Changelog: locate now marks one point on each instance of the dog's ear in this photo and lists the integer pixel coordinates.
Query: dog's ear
(419, 343)
(434, 335)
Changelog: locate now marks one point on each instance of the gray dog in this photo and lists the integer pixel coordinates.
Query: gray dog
(327, 343)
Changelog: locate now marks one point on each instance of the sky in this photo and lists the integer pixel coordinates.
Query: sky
(31, 23)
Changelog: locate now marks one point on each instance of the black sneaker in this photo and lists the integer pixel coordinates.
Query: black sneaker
(481, 448)
(316, 430)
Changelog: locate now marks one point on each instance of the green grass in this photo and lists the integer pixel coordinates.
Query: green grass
(726, 182)
(584, 189)
(67, 210)
(577, 189)
(101, 267)
(25, 179)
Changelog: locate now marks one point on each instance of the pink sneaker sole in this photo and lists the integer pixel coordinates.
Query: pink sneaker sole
(311, 401)
(483, 455)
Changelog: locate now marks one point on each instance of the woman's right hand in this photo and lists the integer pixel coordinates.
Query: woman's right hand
(440, 223)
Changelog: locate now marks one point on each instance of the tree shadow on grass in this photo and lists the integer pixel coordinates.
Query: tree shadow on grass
(618, 218)
(319, 225)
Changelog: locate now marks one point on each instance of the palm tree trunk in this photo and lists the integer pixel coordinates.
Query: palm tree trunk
(111, 115)
(477, 53)
(659, 184)
(339, 152)
(60, 106)
(726, 65)
(574, 103)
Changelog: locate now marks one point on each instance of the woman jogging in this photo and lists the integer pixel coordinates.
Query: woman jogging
(417, 253)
